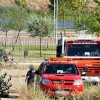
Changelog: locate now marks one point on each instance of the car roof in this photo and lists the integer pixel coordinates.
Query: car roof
(58, 60)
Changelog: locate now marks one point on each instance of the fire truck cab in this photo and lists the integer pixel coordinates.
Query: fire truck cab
(85, 52)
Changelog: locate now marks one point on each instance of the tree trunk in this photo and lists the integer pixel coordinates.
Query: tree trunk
(40, 48)
(64, 24)
(16, 40)
(79, 22)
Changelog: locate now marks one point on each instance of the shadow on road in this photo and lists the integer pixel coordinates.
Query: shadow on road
(11, 97)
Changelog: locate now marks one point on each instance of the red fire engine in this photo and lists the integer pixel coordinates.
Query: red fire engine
(84, 50)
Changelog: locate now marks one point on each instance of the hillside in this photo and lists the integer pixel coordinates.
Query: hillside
(38, 4)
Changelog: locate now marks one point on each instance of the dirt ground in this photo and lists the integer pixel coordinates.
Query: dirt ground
(17, 81)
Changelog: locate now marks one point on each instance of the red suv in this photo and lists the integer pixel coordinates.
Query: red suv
(60, 77)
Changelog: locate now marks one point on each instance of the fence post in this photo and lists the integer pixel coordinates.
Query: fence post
(25, 53)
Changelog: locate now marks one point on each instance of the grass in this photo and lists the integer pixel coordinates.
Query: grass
(91, 93)
(67, 29)
(31, 95)
(33, 51)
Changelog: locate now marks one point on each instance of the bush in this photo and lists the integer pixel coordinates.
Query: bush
(4, 84)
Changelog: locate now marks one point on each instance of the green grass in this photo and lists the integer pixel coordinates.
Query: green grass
(67, 29)
(33, 51)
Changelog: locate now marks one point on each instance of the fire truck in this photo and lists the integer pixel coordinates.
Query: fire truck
(84, 50)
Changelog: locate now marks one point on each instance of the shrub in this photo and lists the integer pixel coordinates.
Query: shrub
(4, 84)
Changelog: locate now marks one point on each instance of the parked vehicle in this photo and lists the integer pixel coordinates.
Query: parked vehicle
(60, 77)
(84, 50)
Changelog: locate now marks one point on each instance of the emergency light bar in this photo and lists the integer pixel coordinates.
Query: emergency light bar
(68, 57)
(84, 38)
(82, 42)
(59, 58)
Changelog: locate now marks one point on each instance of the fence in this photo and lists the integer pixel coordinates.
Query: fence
(27, 47)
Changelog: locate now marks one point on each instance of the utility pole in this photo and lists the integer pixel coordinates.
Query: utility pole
(55, 19)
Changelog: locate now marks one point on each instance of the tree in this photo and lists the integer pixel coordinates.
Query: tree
(93, 22)
(13, 18)
(41, 27)
(66, 9)
(5, 20)
(91, 19)
(77, 4)
(19, 17)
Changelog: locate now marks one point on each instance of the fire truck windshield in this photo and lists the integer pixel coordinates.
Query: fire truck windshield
(83, 50)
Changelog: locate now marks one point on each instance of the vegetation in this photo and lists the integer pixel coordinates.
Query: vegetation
(4, 85)
(68, 10)
(40, 27)
(91, 93)
(12, 18)
(21, 3)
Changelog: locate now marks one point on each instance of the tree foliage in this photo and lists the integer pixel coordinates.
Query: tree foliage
(67, 4)
(13, 18)
(40, 26)
(21, 3)
(68, 10)
(5, 19)
(77, 4)
(94, 21)
(97, 1)
(19, 17)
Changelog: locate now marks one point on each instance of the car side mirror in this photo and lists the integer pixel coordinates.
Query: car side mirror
(84, 71)
(37, 72)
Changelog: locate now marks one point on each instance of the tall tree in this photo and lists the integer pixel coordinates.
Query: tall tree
(93, 22)
(19, 17)
(5, 20)
(40, 27)
(91, 19)
(66, 8)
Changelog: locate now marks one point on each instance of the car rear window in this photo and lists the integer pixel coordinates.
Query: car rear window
(60, 69)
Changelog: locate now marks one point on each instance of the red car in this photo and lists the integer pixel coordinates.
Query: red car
(60, 77)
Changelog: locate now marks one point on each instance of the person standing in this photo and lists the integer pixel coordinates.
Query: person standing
(30, 78)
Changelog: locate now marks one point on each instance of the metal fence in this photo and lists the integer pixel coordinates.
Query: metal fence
(26, 47)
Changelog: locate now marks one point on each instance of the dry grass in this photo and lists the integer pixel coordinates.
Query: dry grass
(91, 93)
(31, 95)
(19, 72)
